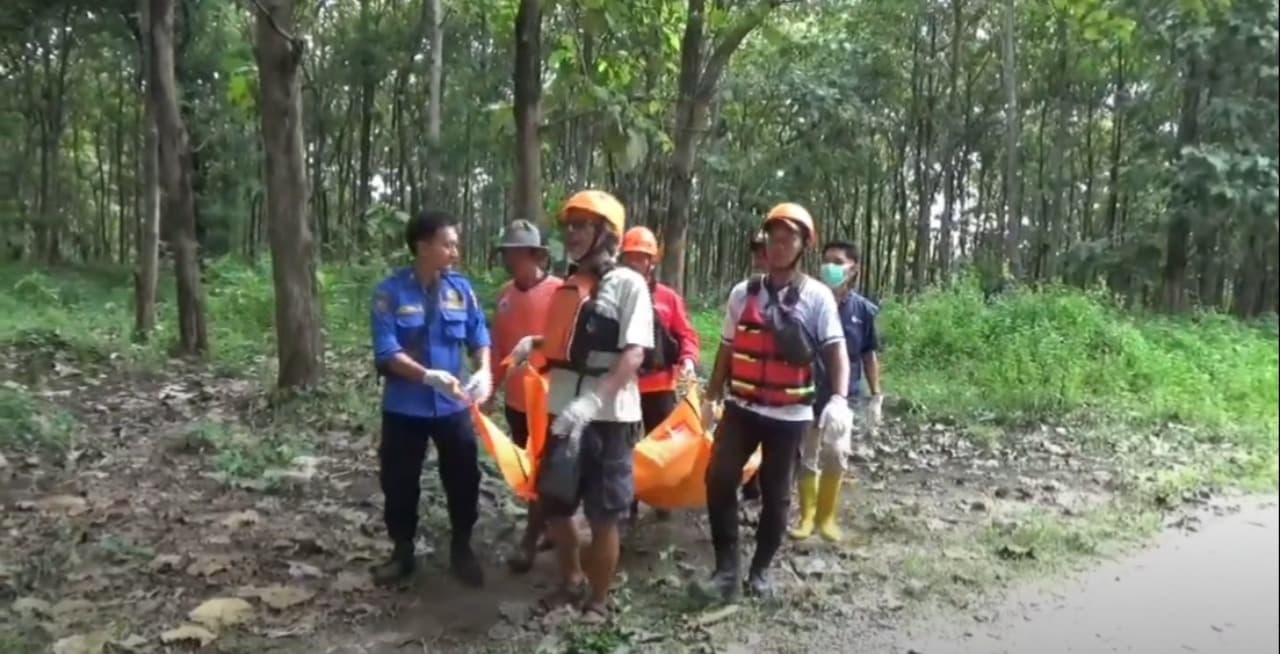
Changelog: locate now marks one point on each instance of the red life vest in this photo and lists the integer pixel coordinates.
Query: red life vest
(758, 373)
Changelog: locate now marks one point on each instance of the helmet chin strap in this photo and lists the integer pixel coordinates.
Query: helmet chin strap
(595, 244)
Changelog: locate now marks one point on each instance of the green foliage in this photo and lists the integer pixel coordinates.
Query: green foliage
(29, 423)
(1037, 355)
(601, 640)
(239, 455)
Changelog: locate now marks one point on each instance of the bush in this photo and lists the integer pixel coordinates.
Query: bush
(1032, 355)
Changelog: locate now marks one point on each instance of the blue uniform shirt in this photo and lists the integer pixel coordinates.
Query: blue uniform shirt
(435, 326)
(858, 319)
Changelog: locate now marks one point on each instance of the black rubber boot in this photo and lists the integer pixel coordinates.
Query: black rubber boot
(759, 581)
(760, 584)
(465, 565)
(725, 583)
(398, 568)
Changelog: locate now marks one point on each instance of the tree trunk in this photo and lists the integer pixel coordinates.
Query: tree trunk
(1184, 202)
(293, 271)
(527, 203)
(147, 265)
(52, 123)
(1012, 185)
(178, 203)
(696, 88)
(435, 184)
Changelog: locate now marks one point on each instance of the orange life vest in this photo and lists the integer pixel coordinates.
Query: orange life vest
(758, 372)
(575, 329)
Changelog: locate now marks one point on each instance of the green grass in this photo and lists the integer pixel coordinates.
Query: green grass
(27, 423)
(239, 455)
(1052, 354)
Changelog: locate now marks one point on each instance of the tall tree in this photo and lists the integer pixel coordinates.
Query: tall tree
(1012, 182)
(146, 272)
(696, 89)
(178, 205)
(527, 109)
(299, 345)
(435, 184)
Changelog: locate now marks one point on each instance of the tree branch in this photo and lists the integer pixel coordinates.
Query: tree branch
(728, 44)
(296, 44)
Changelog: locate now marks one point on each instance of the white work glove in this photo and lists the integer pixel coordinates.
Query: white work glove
(443, 382)
(480, 387)
(709, 408)
(520, 353)
(576, 415)
(873, 414)
(687, 369)
(836, 421)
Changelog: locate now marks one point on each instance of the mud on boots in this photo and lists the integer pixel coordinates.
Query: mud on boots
(824, 453)
(776, 325)
(599, 325)
(424, 319)
(674, 358)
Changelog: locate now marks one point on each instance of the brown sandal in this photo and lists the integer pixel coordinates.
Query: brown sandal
(565, 594)
(595, 614)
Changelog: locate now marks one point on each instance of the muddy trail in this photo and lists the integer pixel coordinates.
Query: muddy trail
(148, 533)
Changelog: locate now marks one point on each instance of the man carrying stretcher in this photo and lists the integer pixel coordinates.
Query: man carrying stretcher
(776, 325)
(675, 354)
(598, 329)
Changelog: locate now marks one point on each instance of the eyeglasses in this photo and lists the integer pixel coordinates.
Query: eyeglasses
(577, 224)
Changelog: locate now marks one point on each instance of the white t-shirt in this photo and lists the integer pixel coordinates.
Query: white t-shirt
(817, 312)
(623, 294)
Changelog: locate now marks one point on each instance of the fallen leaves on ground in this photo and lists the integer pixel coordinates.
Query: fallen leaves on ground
(221, 612)
(188, 633)
(278, 597)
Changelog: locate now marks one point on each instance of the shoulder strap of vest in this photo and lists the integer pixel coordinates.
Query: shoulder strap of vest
(791, 294)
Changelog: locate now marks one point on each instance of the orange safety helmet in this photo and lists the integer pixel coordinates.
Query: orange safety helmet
(600, 204)
(640, 239)
(797, 216)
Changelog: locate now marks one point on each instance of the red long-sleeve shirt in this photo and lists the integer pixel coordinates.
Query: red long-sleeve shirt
(673, 315)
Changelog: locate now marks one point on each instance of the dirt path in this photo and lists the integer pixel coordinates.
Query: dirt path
(187, 488)
(1212, 587)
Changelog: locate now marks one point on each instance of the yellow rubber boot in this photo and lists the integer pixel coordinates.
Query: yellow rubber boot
(828, 505)
(808, 506)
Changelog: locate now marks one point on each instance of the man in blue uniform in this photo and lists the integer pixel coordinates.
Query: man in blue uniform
(824, 461)
(423, 318)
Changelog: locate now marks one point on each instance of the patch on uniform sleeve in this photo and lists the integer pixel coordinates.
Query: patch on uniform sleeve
(381, 302)
(408, 309)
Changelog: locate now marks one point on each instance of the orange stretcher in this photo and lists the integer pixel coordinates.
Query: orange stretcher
(670, 461)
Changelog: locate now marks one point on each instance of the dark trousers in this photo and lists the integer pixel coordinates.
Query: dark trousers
(655, 407)
(739, 433)
(403, 448)
(517, 424)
